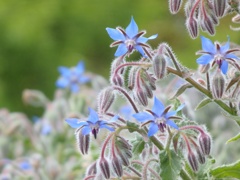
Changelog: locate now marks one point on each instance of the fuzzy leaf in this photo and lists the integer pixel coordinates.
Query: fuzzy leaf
(132, 126)
(227, 171)
(235, 138)
(203, 103)
(181, 90)
(138, 146)
(170, 165)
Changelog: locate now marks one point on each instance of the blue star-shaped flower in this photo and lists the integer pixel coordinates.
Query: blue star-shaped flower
(93, 124)
(217, 54)
(158, 118)
(129, 39)
(72, 77)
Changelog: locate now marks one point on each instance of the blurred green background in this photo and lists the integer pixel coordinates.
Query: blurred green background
(37, 36)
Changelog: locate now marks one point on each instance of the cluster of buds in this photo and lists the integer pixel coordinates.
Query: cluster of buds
(201, 13)
(198, 147)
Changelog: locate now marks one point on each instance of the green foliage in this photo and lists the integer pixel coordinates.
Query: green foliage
(227, 171)
(235, 138)
(138, 145)
(170, 165)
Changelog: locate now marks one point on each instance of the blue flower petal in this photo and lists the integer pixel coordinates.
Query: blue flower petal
(80, 67)
(107, 127)
(143, 116)
(114, 118)
(63, 70)
(224, 67)
(207, 45)
(152, 129)
(140, 49)
(115, 34)
(62, 82)
(75, 123)
(172, 124)
(86, 130)
(132, 29)
(233, 56)
(153, 36)
(142, 40)
(158, 107)
(225, 48)
(93, 116)
(74, 88)
(180, 107)
(121, 50)
(204, 59)
(170, 113)
(83, 79)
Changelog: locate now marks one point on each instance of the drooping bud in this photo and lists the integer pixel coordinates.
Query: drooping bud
(34, 97)
(219, 7)
(218, 85)
(204, 68)
(104, 167)
(124, 158)
(174, 6)
(208, 25)
(159, 66)
(205, 143)
(123, 144)
(214, 18)
(105, 99)
(117, 166)
(92, 169)
(131, 78)
(82, 141)
(200, 155)
(193, 161)
(192, 27)
(117, 79)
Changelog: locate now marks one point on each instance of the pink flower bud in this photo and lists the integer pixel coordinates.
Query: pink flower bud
(205, 143)
(174, 6)
(192, 27)
(104, 167)
(124, 158)
(117, 166)
(193, 161)
(82, 141)
(201, 157)
(105, 99)
(140, 95)
(131, 78)
(218, 85)
(92, 169)
(208, 25)
(219, 7)
(159, 66)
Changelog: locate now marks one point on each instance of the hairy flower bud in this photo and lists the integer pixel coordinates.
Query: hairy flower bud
(193, 161)
(82, 141)
(117, 166)
(92, 169)
(123, 144)
(140, 95)
(201, 157)
(105, 99)
(192, 26)
(218, 85)
(131, 78)
(123, 157)
(34, 97)
(219, 7)
(104, 167)
(204, 68)
(117, 79)
(205, 143)
(174, 6)
(159, 66)
(208, 25)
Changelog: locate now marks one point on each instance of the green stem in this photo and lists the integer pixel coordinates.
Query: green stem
(203, 90)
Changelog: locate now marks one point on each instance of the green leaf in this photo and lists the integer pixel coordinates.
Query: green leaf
(170, 165)
(234, 138)
(181, 90)
(229, 116)
(203, 103)
(138, 146)
(132, 126)
(227, 171)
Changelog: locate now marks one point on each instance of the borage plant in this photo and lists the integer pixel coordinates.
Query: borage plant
(161, 142)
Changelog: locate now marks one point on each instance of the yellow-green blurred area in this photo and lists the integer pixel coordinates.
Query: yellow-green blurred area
(38, 36)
